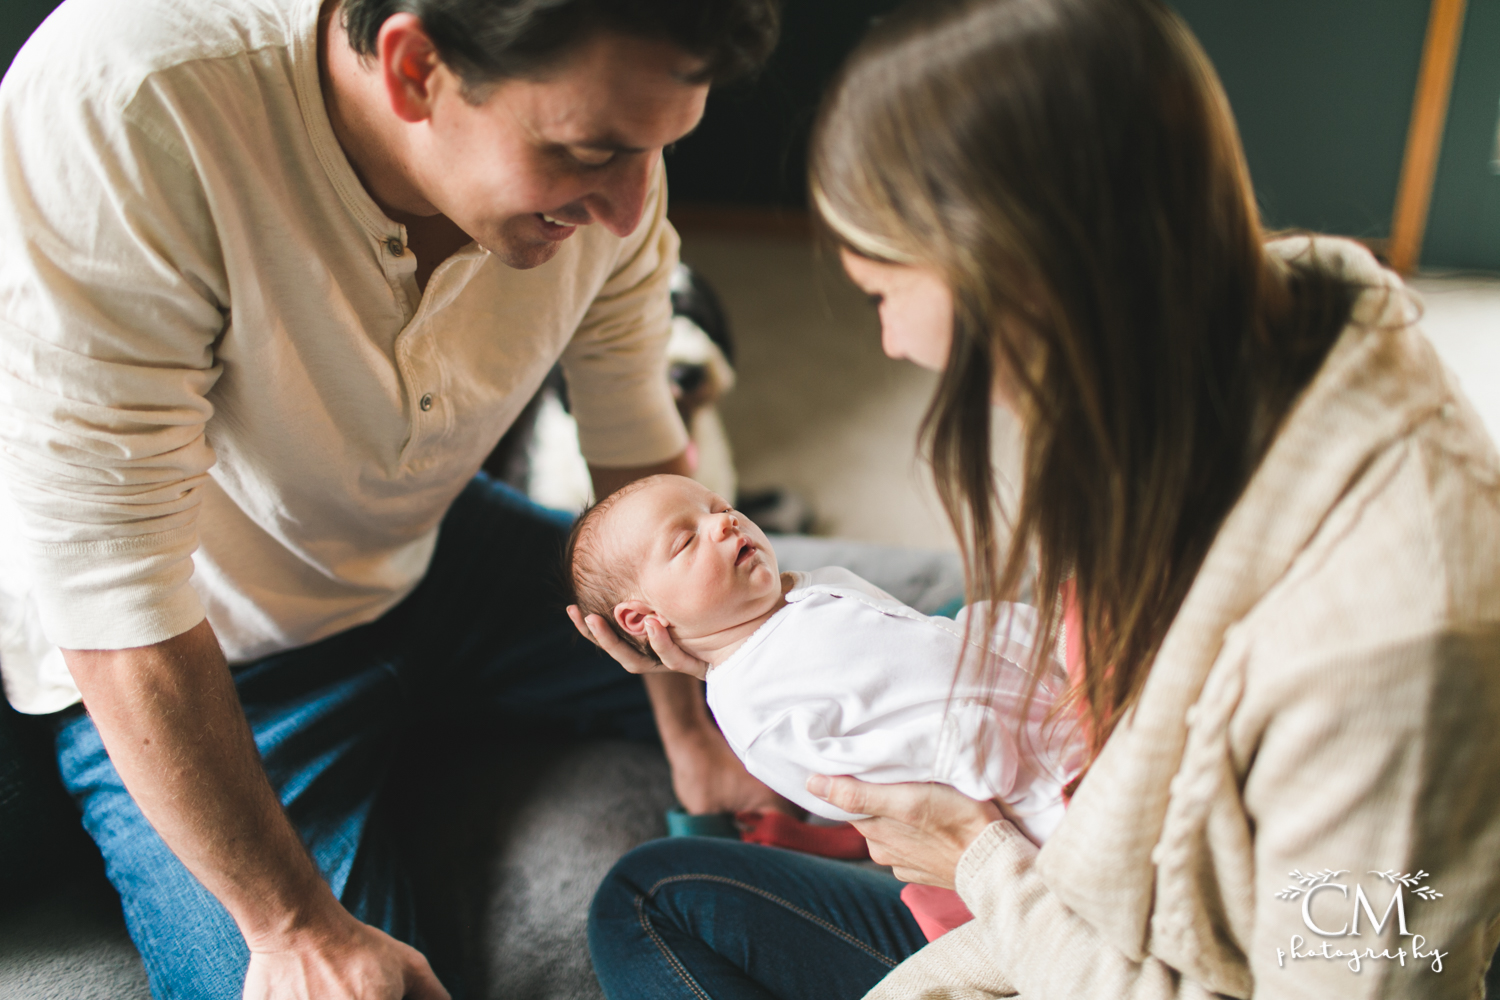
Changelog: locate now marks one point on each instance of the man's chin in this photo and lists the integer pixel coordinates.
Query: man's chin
(523, 256)
(521, 242)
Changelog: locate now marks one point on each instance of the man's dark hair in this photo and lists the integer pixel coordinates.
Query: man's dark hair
(488, 40)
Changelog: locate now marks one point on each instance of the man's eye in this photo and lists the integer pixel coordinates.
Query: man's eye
(591, 157)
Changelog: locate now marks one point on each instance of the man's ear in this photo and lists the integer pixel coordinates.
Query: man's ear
(632, 615)
(408, 60)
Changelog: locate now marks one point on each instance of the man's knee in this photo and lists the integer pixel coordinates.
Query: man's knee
(189, 944)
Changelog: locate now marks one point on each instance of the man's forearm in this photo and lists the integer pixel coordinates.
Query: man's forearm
(607, 480)
(680, 711)
(706, 775)
(172, 723)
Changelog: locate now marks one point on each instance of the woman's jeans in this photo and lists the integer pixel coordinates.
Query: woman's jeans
(700, 918)
(481, 646)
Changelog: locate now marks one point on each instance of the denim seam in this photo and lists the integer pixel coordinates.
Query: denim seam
(804, 914)
(672, 960)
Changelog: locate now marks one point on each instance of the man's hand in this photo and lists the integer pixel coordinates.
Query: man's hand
(920, 830)
(673, 660)
(352, 960)
(171, 720)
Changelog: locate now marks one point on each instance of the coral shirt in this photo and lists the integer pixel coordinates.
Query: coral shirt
(937, 910)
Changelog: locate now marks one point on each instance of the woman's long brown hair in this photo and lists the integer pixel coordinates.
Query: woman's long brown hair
(1072, 169)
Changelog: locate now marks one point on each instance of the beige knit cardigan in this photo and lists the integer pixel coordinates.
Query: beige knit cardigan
(1328, 698)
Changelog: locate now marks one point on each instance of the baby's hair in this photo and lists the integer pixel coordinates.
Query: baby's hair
(597, 585)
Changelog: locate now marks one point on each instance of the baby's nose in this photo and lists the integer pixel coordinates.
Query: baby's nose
(728, 524)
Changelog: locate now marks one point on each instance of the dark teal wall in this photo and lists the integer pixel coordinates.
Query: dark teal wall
(18, 19)
(1463, 229)
(752, 146)
(1322, 91)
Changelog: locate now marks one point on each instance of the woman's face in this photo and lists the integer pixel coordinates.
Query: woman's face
(916, 308)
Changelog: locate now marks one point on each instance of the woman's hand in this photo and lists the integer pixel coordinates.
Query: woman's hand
(920, 830)
(673, 660)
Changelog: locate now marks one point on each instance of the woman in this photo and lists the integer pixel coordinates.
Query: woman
(1270, 520)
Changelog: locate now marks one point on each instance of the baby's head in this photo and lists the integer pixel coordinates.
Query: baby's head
(668, 548)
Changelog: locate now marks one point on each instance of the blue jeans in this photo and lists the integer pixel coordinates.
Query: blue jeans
(700, 918)
(482, 645)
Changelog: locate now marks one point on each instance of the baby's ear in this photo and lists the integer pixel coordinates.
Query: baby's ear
(631, 616)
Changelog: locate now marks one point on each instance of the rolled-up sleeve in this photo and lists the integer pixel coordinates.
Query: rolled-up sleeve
(111, 301)
(617, 362)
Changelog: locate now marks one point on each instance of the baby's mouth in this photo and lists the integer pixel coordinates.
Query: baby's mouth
(746, 551)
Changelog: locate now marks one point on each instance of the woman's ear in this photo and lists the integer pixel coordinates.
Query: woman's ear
(632, 616)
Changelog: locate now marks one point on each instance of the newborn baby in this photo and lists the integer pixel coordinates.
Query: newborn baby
(822, 672)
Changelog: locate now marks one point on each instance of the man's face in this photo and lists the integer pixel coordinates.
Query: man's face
(702, 566)
(537, 158)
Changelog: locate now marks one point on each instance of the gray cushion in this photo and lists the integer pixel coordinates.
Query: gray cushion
(69, 943)
(925, 579)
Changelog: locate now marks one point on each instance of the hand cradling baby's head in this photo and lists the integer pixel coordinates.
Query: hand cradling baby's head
(668, 549)
(599, 576)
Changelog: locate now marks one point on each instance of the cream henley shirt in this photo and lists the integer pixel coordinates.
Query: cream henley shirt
(221, 391)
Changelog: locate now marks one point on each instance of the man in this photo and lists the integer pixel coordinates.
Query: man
(276, 276)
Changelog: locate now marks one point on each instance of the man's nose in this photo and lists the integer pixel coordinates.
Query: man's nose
(620, 201)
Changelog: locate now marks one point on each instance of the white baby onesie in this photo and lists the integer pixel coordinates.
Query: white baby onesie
(848, 680)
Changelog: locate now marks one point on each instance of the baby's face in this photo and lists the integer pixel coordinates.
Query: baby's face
(701, 566)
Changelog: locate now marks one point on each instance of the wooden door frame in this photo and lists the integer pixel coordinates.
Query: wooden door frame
(1424, 136)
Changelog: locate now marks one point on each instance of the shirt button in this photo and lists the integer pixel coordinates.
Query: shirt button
(395, 247)
(426, 402)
